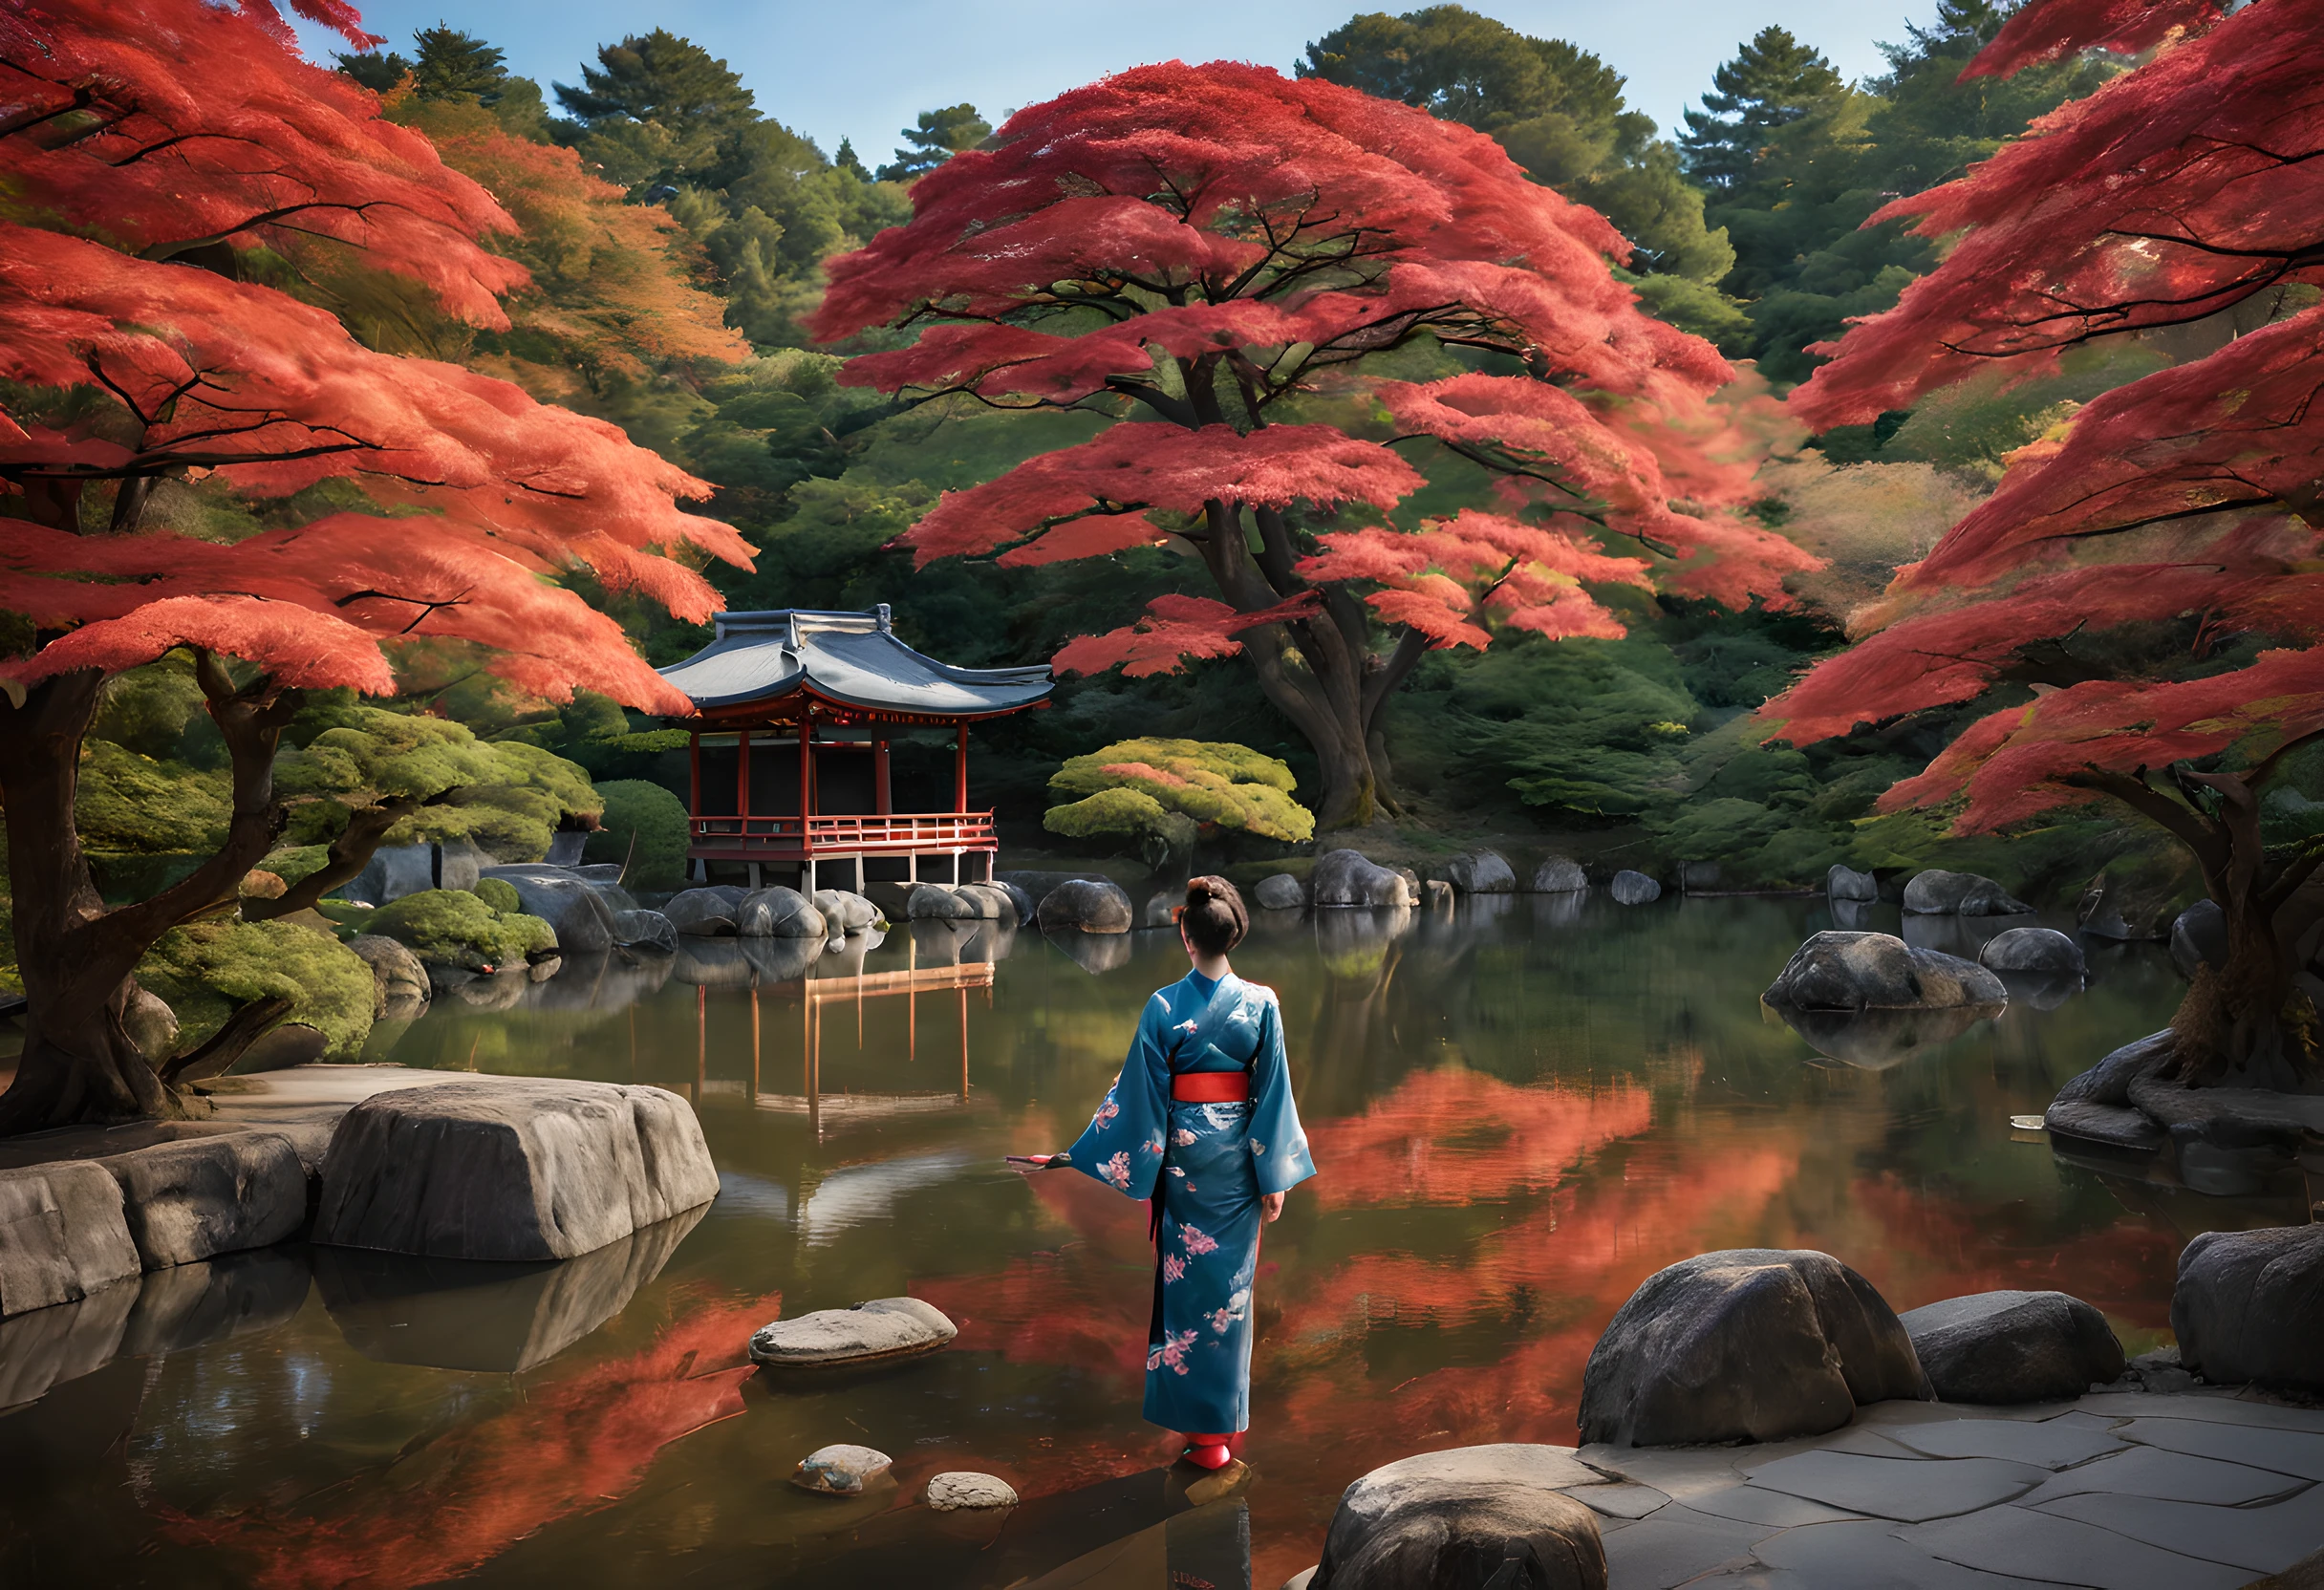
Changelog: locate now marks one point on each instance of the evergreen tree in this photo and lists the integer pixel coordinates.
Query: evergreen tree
(1558, 111)
(1772, 82)
(452, 63)
(374, 71)
(941, 134)
(848, 161)
(662, 79)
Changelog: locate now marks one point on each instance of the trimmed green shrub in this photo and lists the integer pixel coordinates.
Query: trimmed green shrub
(451, 927)
(209, 970)
(644, 826)
(1160, 793)
(498, 893)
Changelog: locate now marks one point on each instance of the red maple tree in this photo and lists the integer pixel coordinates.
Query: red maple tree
(2150, 572)
(1216, 250)
(151, 154)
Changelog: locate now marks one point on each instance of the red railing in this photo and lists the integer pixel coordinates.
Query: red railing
(788, 838)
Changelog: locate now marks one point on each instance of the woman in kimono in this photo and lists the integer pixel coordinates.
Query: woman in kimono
(1202, 1122)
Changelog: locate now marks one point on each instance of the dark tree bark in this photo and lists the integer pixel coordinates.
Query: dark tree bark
(2249, 1019)
(79, 1063)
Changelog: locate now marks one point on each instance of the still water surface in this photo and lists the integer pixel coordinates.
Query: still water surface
(1518, 1112)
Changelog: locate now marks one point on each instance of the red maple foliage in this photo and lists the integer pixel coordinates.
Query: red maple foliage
(149, 153)
(1215, 250)
(2178, 204)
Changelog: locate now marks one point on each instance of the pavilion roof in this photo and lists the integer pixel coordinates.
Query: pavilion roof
(853, 659)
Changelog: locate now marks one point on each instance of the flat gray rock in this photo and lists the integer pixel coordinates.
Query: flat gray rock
(2014, 1347)
(2182, 1476)
(2298, 1453)
(2049, 1444)
(2041, 1545)
(1419, 1521)
(1619, 1499)
(1859, 1555)
(1278, 891)
(510, 1168)
(883, 1328)
(2260, 1540)
(840, 1471)
(197, 1196)
(1937, 893)
(1749, 1345)
(1751, 1504)
(1676, 1545)
(965, 1491)
(63, 1235)
(1481, 873)
(1908, 1492)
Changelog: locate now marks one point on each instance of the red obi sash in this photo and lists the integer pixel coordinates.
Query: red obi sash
(1211, 1087)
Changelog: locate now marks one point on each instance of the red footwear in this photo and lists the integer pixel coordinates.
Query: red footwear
(1210, 1452)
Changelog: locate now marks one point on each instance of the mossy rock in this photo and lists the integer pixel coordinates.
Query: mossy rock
(644, 827)
(294, 863)
(451, 927)
(498, 893)
(208, 970)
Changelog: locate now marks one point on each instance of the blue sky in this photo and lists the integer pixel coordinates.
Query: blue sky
(864, 69)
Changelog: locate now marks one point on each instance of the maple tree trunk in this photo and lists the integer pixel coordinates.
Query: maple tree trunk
(78, 958)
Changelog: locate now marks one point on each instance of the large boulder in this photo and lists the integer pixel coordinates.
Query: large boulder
(1350, 878)
(845, 911)
(1036, 883)
(2198, 939)
(1028, 907)
(645, 929)
(2014, 1347)
(393, 871)
(703, 913)
(153, 1026)
(1878, 971)
(1093, 905)
(2043, 952)
(1460, 1520)
(932, 902)
(399, 981)
(1749, 1345)
(2249, 1307)
(63, 1235)
(1278, 891)
(883, 1328)
(1847, 883)
(1481, 873)
(572, 906)
(1937, 893)
(1560, 875)
(2095, 1105)
(987, 903)
(188, 1198)
(510, 1168)
(1630, 887)
(779, 914)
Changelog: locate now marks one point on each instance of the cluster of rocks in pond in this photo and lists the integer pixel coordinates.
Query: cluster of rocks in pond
(1872, 999)
(2048, 1456)
(1937, 893)
(2228, 1139)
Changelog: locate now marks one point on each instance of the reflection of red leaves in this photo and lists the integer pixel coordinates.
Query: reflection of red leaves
(1451, 1136)
(441, 1507)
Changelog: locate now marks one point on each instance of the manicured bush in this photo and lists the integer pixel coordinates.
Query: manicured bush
(498, 893)
(451, 927)
(644, 826)
(1160, 793)
(208, 970)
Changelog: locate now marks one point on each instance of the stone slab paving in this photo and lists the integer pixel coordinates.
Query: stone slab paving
(2117, 1490)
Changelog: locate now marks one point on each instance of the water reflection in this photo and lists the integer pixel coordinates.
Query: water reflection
(1519, 1111)
(1875, 1039)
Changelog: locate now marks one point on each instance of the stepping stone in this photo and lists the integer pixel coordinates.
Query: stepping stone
(2154, 1471)
(1749, 1504)
(2260, 1540)
(870, 1332)
(1620, 1501)
(964, 1490)
(2215, 1407)
(1908, 1492)
(1674, 1545)
(2287, 1452)
(2052, 1444)
(840, 1471)
(1827, 1557)
(2066, 1551)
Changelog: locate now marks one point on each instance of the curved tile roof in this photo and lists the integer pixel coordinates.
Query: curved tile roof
(850, 657)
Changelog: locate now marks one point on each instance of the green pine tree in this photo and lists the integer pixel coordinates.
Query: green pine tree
(941, 134)
(1772, 82)
(452, 63)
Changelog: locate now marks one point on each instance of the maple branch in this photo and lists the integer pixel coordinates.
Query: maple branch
(1381, 682)
(2191, 826)
(349, 854)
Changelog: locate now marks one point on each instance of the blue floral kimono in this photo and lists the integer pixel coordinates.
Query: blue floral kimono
(1205, 1166)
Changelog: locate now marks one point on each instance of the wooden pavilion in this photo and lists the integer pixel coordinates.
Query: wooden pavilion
(789, 747)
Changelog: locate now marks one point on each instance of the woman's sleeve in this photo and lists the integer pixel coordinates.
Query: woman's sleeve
(1123, 1146)
(1278, 1145)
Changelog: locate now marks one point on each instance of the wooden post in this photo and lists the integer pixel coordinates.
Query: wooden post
(883, 803)
(807, 800)
(701, 1039)
(962, 991)
(754, 1042)
(741, 787)
(959, 772)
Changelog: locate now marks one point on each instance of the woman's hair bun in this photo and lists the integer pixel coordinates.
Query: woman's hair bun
(1214, 917)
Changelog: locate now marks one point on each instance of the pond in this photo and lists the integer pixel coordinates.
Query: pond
(1520, 1112)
